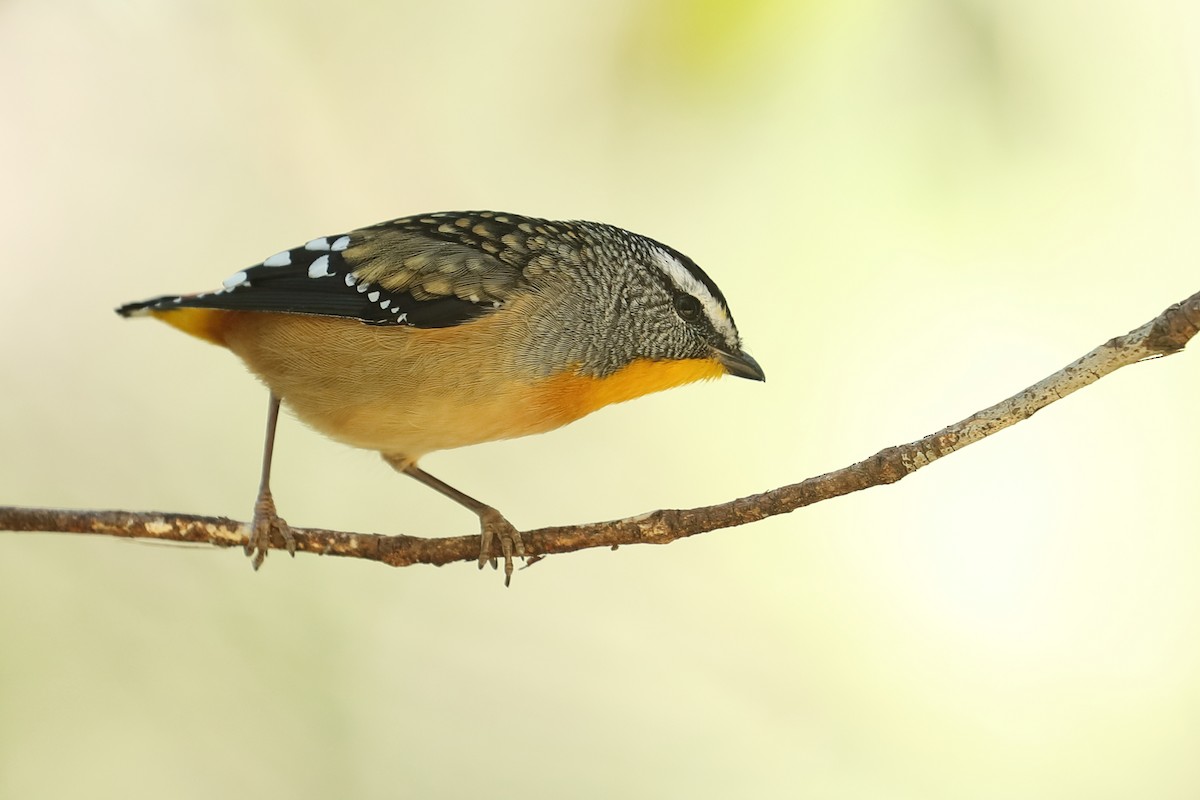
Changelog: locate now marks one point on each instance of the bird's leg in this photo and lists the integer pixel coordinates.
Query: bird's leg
(492, 524)
(265, 519)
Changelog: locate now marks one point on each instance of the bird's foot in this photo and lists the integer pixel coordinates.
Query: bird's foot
(493, 526)
(266, 522)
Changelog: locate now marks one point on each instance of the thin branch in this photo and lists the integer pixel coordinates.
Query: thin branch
(1167, 333)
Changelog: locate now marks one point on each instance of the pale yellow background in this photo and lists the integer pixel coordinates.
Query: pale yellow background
(915, 209)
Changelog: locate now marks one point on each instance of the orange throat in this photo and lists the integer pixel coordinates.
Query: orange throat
(576, 395)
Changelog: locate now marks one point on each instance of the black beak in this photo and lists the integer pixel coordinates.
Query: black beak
(741, 365)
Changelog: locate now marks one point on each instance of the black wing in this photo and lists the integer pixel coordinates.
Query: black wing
(430, 271)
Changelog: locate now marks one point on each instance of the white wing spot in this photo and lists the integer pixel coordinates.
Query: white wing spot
(320, 268)
(349, 278)
(235, 280)
(279, 259)
(317, 244)
(362, 287)
(385, 304)
(373, 297)
(340, 244)
(402, 318)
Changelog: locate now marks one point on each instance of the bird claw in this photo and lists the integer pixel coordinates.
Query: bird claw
(266, 522)
(493, 526)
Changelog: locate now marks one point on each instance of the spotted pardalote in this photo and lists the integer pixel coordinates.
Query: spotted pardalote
(449, 329)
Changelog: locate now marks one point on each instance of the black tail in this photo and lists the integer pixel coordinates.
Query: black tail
(146, 306)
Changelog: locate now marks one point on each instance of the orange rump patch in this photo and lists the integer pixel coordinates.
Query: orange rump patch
(203, 323)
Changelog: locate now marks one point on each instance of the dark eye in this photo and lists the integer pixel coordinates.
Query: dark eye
(687, 307)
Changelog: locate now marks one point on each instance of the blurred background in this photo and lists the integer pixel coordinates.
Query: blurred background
(915, 209)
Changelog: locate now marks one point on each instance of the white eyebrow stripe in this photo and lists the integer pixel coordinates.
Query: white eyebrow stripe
(685, 281)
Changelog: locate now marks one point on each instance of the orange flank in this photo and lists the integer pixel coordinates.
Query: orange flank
(579, 395)
(203, 323)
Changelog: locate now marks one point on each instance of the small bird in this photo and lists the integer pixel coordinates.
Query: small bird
(449, 329)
